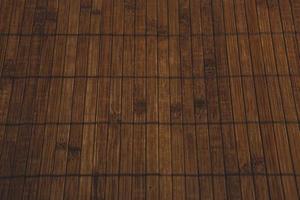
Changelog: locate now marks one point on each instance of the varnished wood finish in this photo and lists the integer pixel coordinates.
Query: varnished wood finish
(149, 99)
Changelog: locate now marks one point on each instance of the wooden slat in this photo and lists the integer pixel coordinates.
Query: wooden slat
(162, 16)
(140, 16)
(152, 16)
(139, 112)
(7, 43)
(129, 16)
(178, 165)
(164, 145)
(101, 134)
(115, 108)
(139, 103)
(190, 140)
(12, 49)
(5, 93)
(126, 134)
(152, 139)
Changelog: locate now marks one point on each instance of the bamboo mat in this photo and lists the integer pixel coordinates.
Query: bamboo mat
(149, 99)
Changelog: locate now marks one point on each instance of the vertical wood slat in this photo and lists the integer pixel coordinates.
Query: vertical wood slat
(152, 139)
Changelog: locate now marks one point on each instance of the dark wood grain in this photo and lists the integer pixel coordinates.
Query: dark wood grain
(147, 99)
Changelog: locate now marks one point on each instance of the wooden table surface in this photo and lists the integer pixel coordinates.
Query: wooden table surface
(149, 99)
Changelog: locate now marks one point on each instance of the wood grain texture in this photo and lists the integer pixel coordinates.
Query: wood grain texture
(147, 99)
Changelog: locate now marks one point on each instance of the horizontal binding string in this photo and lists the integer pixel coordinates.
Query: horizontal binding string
(149, 174)
(150, 34)
(149, 77)
(147, 123)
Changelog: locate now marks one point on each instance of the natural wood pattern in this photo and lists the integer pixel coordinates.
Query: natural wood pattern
(136, 99)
